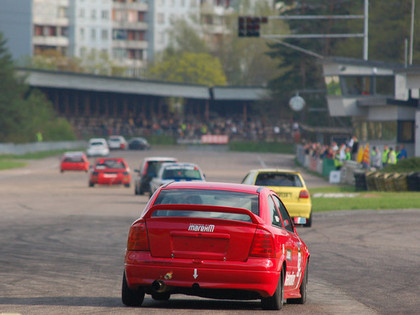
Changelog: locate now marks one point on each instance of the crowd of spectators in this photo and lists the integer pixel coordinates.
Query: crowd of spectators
(190, 128)
(350, 151)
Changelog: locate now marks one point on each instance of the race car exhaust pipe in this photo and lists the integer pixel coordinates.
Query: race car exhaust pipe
(159, 286)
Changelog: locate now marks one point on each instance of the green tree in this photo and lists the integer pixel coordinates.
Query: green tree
(23, 111)
(190, 68)
(95, 62)
(185, 36)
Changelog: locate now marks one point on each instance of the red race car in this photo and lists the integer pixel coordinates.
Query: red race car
(74, 161)
(215, 240)
(110, 171)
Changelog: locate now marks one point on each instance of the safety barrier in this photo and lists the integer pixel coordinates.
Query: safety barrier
(379, 181)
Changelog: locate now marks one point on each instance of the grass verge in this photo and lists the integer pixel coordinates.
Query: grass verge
(347, 198)
(14, 161)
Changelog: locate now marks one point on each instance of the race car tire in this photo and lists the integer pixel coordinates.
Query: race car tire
(129, 296)
(127, 185)
(309, 221)
(164, 296)
(91, 184)
(276, 301)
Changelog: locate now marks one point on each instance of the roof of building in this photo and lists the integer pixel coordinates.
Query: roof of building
(361, 62)
(83, 81)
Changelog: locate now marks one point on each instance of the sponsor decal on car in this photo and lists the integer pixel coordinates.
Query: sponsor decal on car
(110, 175)
(284, 194)
(290, 279)
(201, 227)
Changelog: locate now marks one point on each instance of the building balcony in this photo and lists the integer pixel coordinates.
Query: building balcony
(50, 41)
(138, 6)
(129, 25)
(129, 44)
(54, 21)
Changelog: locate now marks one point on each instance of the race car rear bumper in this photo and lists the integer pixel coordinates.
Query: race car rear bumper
(258, 275)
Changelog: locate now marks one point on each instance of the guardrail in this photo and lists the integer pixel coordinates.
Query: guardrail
(325, 167)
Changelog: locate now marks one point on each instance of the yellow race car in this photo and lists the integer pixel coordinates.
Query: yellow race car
(290, 187)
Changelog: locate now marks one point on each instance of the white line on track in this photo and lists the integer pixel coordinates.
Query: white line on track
(261, 162)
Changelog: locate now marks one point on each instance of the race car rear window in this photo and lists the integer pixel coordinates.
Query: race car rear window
(209, 197)
(200, 214)
(278, 179)
(73, 159)
(181, 173)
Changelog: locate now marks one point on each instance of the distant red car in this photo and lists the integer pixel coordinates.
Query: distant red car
(74, 161)
(215, 240)
(110, 171)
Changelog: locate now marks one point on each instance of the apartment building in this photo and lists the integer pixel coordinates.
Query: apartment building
(160, 17)
(129, 28)
(130, 32)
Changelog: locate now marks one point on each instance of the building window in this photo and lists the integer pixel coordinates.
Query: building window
(333, 85)
(135, 54)
(365, 85)
(82, 13)
(132, 16)
(82, 52)
(356, 85)
(104, 34)
(376, 130)
(105, 14)
(161, 38)
(93, 14)
(62, 12)
(119, 53)
(119, 34)
(161, 18)
(406, 131)
(82, 33)
(93, 34)
(384, 85)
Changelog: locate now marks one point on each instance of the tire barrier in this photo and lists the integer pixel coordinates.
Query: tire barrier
(378, 181)
(413, 181)
(360, 181)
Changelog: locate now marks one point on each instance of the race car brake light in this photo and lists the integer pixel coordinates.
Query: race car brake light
(262, 244)
(137, 238)
(304, 194)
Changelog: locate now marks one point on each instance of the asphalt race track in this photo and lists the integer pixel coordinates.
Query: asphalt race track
(62, 245)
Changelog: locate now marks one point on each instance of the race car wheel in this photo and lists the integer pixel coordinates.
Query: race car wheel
(127, 185)
(164, 296)
(309, 221)
(302, 288)
(129, 296)
(91, 184)
(276, 301)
